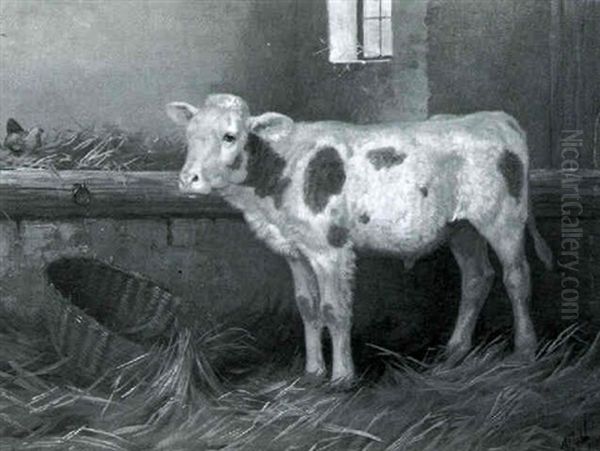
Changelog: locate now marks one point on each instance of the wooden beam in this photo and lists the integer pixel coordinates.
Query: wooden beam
(549, 186)
(38, 194)
(64, 194)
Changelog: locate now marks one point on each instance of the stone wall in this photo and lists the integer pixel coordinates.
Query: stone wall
(216, 266)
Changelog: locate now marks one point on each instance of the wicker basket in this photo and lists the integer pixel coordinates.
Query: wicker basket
(102, 317)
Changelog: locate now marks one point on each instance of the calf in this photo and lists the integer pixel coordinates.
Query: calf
(317, 192)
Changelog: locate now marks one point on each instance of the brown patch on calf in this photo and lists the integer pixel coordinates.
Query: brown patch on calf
(324, 177)
(280, 190)
(237, 163)
(511, 168)
(364, 218)
(424, 191)
(385, 157)
(265, 170)
(337, 236)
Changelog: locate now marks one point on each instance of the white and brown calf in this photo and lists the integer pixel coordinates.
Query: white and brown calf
(317, 192)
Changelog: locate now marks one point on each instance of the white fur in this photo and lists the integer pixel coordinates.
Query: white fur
(450, 173)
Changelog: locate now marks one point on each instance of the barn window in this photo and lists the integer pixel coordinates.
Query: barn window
(359, 30)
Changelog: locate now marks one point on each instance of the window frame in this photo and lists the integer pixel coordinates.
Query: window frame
(361, 20)
(346, 31)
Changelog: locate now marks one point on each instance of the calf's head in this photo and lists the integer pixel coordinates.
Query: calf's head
(217, 137)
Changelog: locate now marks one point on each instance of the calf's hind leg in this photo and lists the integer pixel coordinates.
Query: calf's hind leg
(477, 275)
(507, 237)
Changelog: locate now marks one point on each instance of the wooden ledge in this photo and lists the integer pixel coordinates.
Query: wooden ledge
(39, 194)
(30, 194)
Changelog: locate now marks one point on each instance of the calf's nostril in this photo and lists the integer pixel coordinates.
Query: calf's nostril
(195, 178)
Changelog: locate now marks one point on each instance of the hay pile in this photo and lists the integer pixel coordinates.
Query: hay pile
(159, 403)
(105, 147)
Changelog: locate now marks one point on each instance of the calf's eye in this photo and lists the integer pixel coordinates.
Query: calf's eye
(229, 138)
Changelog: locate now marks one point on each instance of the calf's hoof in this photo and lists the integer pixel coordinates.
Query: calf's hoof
(455, 354)
(342, 385)
(522, 356)
(312, 380)
(525, 349)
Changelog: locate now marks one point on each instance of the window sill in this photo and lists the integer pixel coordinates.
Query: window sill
(363, 62)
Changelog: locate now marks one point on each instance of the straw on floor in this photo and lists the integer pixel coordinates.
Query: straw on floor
(158, 401)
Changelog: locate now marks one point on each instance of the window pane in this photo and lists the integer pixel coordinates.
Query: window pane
(342, 30)
(386, 37)
(371, 8)
(371, 38)
(386, 8)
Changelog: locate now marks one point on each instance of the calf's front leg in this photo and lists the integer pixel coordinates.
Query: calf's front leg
(307, 299)
(335, 273)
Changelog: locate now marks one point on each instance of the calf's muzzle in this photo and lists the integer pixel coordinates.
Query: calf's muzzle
(193, 182)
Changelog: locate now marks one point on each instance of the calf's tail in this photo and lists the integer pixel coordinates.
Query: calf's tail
(541, 247)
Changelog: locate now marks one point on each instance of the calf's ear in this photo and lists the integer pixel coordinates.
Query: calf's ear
(271, 126)
(181, 112)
